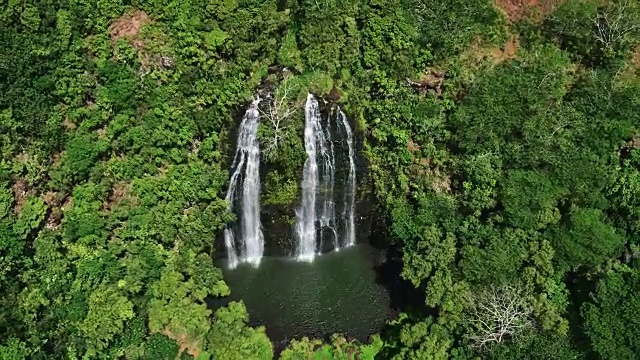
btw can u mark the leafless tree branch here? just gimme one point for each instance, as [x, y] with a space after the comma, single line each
[616, 22]
[499, 314]
[278, 109]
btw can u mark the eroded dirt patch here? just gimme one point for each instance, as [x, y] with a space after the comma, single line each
[430, 81]
[634, 143]
[192, 347]
[478, 53]
[21, 192]
[56, 159]
[23, 158]
[128, 26]
[412, 146]
[120, 193]
[507, 52]
[518, 9]
[102, 132]
[52, 199]
[150, 44]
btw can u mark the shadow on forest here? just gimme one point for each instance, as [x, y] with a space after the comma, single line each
[403, 296]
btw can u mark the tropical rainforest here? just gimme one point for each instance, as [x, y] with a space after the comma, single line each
[501, 142]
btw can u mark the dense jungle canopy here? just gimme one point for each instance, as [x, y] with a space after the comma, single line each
[501, 142]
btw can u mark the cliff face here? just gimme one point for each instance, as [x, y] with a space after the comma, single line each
[279, 220]
[278, 212]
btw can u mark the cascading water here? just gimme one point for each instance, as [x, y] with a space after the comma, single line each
[245, 241]
[349, 199]
[306, 214]
[327, 184]
[316, 215]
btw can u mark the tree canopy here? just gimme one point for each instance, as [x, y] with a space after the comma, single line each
[500, 143]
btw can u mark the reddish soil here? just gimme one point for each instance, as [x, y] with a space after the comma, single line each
[508, 51]
[517, 9]
[128, 26]
[511, 47]
[192, 347]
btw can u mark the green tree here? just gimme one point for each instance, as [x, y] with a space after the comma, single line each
[231, 338]
[611, 320]
[585, 240]
[108, 311]
[533, 345]
[418, 340]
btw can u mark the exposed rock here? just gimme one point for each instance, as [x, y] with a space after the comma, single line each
[273, 69]
[51, 198]
[54, 219]
[430, 81]
[56, 159]
[412, 146]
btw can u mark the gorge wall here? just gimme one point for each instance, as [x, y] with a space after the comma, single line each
[332, 207]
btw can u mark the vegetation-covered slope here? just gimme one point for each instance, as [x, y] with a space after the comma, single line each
[502, 142]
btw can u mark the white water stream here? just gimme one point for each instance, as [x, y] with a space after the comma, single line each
[316, 215]
[245, 241]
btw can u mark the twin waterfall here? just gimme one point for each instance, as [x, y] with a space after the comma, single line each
[330, 155]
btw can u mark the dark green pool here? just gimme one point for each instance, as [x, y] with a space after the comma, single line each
[336, 293]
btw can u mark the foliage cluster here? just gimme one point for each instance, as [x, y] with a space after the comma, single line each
[511, 194]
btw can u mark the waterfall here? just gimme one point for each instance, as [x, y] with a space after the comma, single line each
[249, 245]
[349, 198]
[327, 184]
[316, 216]
[306, 214]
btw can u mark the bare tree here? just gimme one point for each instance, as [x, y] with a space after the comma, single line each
[499, 314]
[279, 108]
[616, 22]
